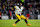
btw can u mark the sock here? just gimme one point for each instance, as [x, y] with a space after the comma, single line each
[26, 21]
[17, 21]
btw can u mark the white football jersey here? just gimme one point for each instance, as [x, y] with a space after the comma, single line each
[18, 10]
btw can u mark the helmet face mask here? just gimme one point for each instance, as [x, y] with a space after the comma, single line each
[19, 4]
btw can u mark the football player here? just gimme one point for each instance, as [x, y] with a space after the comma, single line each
[18, 13]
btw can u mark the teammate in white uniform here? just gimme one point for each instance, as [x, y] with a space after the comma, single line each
[18, 11]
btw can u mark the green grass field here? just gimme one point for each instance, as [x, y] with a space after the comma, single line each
[21, 23]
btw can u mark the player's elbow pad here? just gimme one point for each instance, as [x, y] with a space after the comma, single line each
[28, 15]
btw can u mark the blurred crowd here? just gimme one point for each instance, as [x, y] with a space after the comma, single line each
[7, 7]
